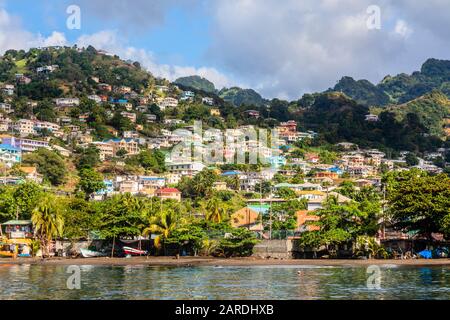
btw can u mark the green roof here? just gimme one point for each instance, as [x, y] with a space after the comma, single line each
[17, 223]
[285, 185]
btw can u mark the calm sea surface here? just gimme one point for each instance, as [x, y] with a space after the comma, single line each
[260, 283]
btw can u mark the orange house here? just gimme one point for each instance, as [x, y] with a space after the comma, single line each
[246, 218]
[327, 174]
[305, 216]
[169, 193]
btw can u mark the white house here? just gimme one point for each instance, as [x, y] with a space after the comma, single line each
[186, 169]
[95, 98]
[67, 102]
[168, 103]
[208, 101]
[6, 107]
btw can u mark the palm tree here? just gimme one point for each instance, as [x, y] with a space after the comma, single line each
[48, 222]
[215, 210]
[163, 224]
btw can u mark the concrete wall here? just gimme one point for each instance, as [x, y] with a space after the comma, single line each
[279, 249]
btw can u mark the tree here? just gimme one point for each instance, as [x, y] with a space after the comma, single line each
[286, 213]
[121, 216]
[26, 197]
[342, 223]
[327, 156]
[121, 123]
[163, 224]
[91, 181]
[48, 222]
[237, 243]
[8, 205]
[88, 158]
[45, 111]
[149, 160]
[286, 193]
[411, 160]
[201, 186]
[421, 203]
[49, 164]
[188, 237]
[264, 187]
[80, 217]
[121, 153]
[215, 210]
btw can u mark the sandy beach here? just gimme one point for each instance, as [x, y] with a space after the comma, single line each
[208, 261]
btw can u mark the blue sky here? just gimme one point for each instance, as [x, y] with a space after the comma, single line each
[181, 39]
[280, 48]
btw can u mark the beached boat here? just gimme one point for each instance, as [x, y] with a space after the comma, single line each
[134, 252]
[5, 251]
[92, 254]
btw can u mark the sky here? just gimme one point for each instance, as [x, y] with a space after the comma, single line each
[282, 49]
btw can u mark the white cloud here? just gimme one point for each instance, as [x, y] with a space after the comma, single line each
[291, 47]
[13, 36]
[55, 39]
[11, 33]
[110, 41]
[106, 40]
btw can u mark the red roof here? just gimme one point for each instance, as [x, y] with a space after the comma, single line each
[168, 190]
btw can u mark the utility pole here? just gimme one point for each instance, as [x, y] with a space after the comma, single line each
[260, 207]
[271, 196]
[383, 211]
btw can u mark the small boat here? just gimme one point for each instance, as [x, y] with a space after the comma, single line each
[5, 251]
[134, 252]
[92, 254]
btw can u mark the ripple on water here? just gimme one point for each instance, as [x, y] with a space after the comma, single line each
[223, 282]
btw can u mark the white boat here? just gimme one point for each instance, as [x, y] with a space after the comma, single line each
[92, 254]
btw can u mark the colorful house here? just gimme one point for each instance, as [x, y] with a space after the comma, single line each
[169, 194]
[304, 217]
[16, 237]
[246, 218]
[10, 155]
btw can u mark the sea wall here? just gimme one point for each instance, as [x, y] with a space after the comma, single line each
[278, 249]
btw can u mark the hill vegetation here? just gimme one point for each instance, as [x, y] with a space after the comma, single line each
[197, 82]
[238, 96]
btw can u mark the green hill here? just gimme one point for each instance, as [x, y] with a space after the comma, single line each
[76, 69]
[196, 82]
[338, 118]
[434, 75]
[431, 109]
[362, 91]
[238, 96]
[399, 89]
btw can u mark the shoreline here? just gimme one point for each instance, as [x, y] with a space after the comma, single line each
[208, 261]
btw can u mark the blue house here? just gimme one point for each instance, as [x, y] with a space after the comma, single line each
[10, 155]
[231, 173]
[109, 188]
[186, 95]
[118, 101]
[336, 170]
